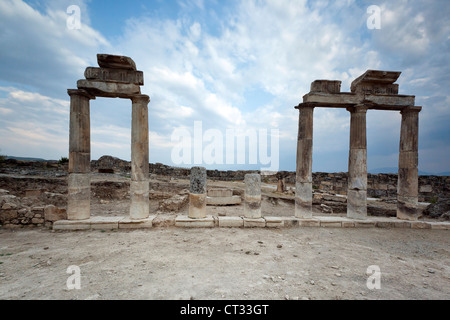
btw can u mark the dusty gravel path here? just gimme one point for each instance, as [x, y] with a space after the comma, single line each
[174, 263]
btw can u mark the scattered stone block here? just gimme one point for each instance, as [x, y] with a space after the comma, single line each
[33, 193]
[53, 213]
[8, 206]
[37, 220]
[174, 203]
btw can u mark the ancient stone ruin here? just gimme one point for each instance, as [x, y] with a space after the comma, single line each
[374, 90]
[116, 77]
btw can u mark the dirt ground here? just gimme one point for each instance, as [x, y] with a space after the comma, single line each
[175, 263]
[172, 263]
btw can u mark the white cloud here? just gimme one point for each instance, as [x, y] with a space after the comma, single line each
[41, 51]
[192, 73]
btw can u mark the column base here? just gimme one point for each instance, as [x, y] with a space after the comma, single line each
[357, 204]
[140, 205]
[79, 196]
[303, 200]
[252, 207]
[197, 206]
[407, 208]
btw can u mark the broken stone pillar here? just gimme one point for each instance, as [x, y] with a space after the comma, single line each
[252, 196]
[357, 164]
[407, 186]
[197, 193]
[139, 187]
[303, 178]
[79, 182]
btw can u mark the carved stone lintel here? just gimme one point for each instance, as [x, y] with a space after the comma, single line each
[109, 89]
[115, 75]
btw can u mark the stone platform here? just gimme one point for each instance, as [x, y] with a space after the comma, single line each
[110, 223]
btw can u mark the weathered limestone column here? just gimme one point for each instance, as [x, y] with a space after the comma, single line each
[408, 175]
[252, 196]
[357, 164]
[303, 178]
[139, 187]
[79, 182]
[197, 193]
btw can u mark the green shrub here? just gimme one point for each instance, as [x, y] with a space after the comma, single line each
[63, 160]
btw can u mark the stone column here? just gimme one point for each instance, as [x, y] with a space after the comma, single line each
[357, 164]
[303, 178]
[252, 196]
[79, 182]
[408, 174]
[139, 187]
[197, 193]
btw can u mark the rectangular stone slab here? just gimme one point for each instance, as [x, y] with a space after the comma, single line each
[186, 222]
[127, 223]
[115, 75]
[254, 223]
[109, 89]
[231, 222]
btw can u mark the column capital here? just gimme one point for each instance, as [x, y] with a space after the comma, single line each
[411, 109]
[140, 97]
[80, 92]
[305, 106]
[359, 108]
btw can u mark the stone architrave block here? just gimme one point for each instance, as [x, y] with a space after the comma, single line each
[109, 89]
[114, 75]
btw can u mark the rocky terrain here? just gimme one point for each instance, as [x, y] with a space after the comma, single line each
[228, 263]
[27, 188]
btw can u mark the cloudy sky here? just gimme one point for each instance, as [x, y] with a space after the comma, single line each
[228, 65]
